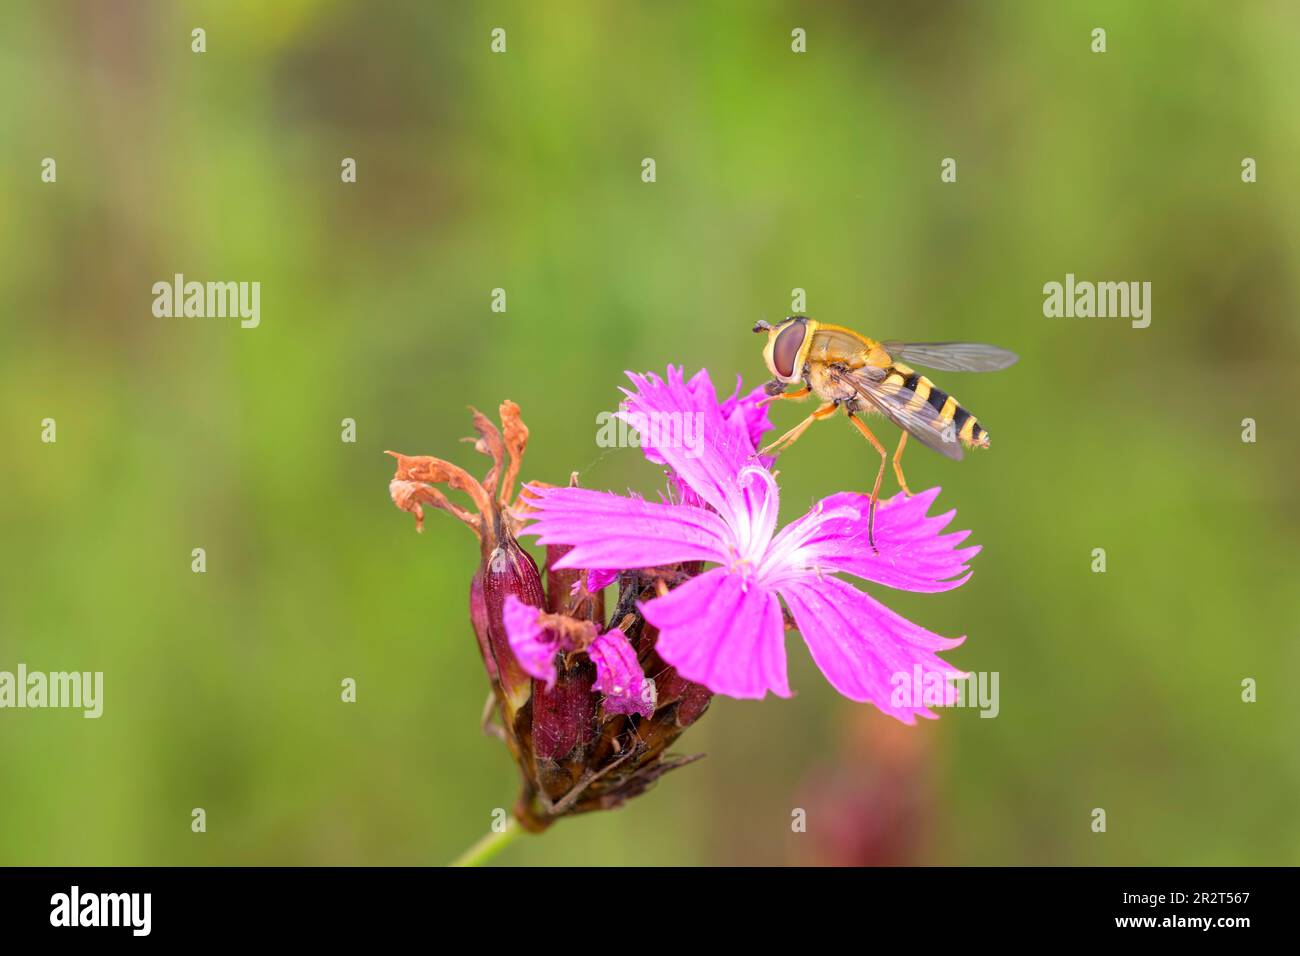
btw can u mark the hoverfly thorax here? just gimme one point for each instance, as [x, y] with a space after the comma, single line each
[787, 347]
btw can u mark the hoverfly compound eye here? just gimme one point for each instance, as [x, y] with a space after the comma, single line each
[786, 349]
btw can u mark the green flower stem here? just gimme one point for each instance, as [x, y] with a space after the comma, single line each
[490, 845]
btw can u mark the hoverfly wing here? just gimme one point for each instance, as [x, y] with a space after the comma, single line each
[952, 356]
[922, 422]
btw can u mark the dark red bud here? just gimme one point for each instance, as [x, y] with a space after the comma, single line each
[692, 699]
[507, 569]
[478, 616]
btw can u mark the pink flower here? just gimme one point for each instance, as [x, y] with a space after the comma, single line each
[725, 628]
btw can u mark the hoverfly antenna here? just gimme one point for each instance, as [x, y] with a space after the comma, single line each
[762, 326]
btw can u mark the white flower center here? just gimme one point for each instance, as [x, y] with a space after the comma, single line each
[755, 520]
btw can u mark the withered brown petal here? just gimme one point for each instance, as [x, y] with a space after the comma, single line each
[516, 439]
[409, 495]
[436, 471]
[489, 443]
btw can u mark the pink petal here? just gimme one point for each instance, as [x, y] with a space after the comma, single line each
[533, 647]
[612, 531]
[748, 412]
[745, 416]
[862, 646]
[913, 555]
[619, 676]
[694, 396]
[600, 578]
[724, 632]
[710, 463]
[597, 580]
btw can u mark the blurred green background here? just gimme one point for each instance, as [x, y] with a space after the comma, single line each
[522, 171]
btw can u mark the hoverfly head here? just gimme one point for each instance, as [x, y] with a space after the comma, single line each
[785, 348]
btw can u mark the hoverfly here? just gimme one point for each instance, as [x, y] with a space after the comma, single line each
[850, 371]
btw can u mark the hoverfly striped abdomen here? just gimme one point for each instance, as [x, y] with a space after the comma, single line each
[901, 377]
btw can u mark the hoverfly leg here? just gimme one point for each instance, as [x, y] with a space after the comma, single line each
[898, 465]
[790, 437]
[775, 393]
[875, 491]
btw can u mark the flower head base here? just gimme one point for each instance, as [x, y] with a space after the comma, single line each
[588, 729]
